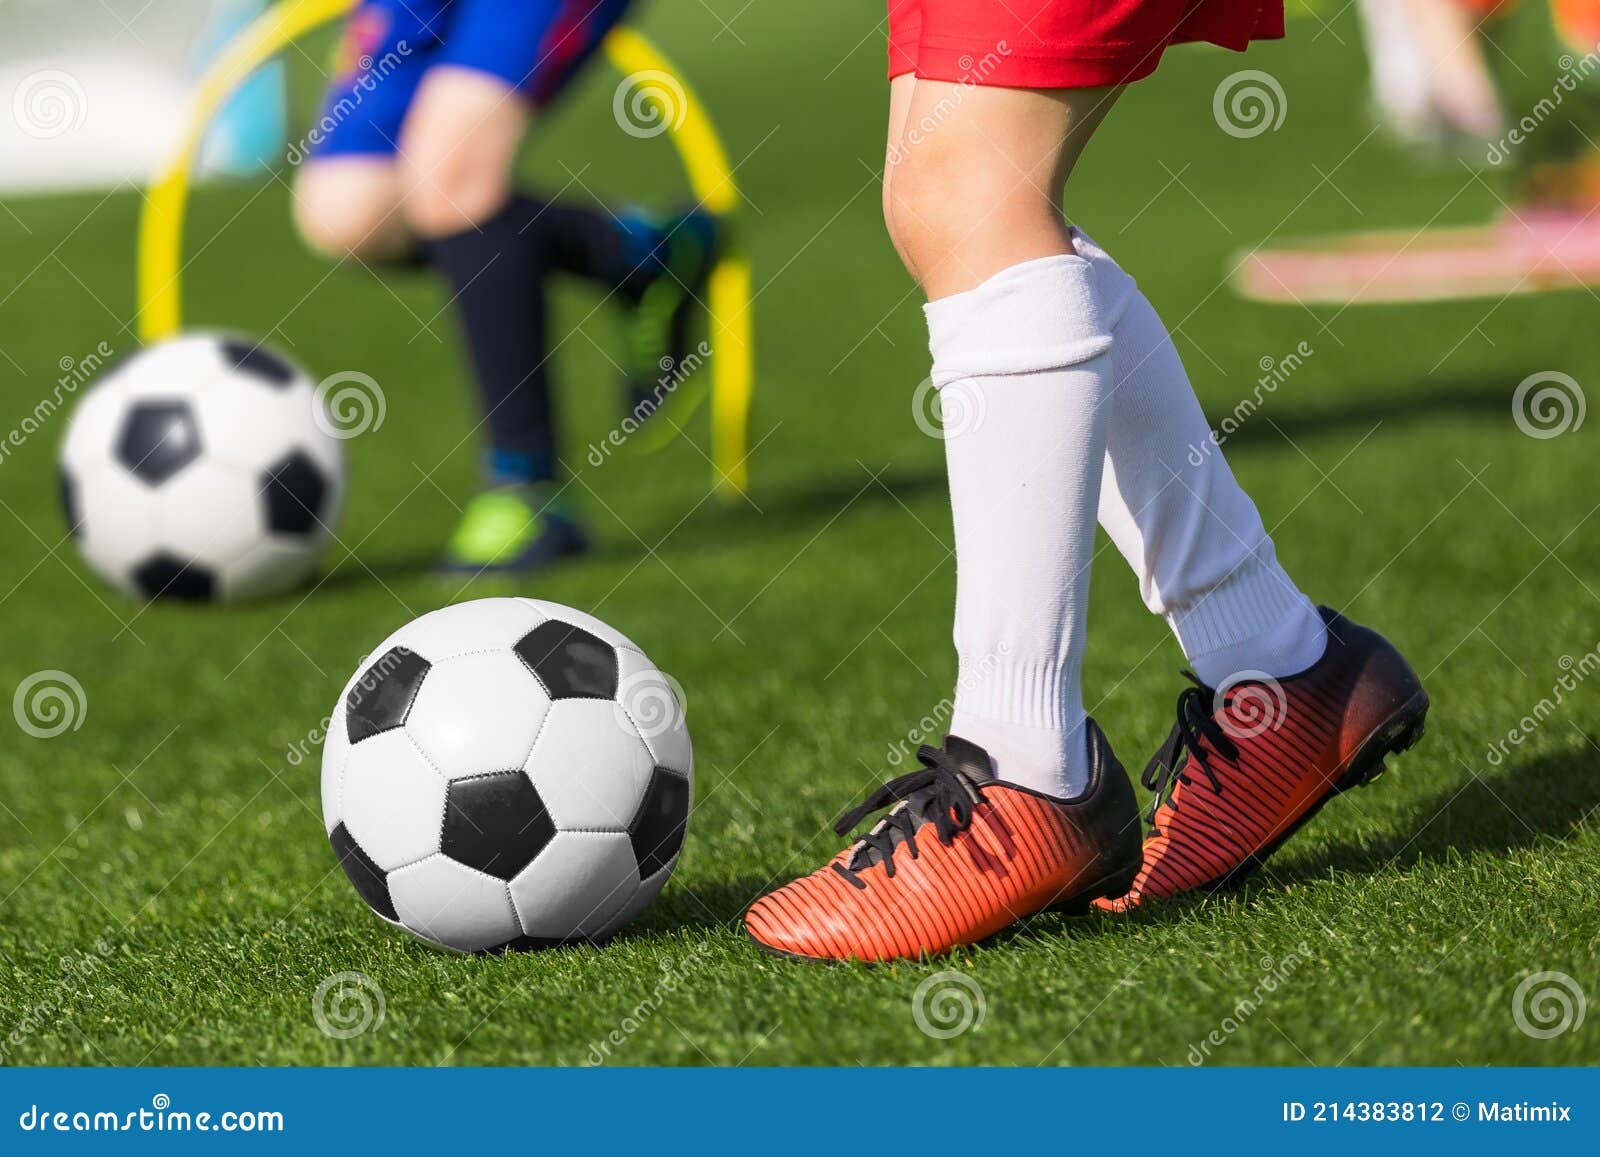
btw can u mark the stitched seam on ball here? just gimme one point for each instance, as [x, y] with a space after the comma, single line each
[423, 755]
[543, 723]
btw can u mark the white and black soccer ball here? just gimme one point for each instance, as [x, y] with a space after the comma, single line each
[198, 469]
[507, 774]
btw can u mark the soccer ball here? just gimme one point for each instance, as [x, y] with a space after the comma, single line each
[507, 774]
[199, 469]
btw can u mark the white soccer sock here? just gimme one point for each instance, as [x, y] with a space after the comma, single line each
[1022, 366]
[1175, 511]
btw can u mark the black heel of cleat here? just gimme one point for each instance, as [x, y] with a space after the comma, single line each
[1400, 733]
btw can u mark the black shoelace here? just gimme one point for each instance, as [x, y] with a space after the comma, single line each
[1195, 724]
[940, 792]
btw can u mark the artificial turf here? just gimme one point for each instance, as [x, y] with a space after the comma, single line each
[167, 895]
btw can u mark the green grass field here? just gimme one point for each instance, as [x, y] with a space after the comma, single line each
[167, 895]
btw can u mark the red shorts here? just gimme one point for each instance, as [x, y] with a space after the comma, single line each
[1063, 43]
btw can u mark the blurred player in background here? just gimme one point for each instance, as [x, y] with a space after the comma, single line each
[1065, 400]
[1509, 85]
[424, 123]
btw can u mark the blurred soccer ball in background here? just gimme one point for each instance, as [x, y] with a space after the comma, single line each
[507, 774]
[198, 469]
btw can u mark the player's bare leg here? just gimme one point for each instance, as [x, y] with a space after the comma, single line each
[1024, 806]
[350, 207]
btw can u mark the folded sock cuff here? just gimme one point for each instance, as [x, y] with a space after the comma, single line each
[1115, 286]
[994, 328]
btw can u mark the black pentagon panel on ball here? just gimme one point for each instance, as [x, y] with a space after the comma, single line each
[569, 661]
[382, 697]
[495, 823]
[370, 880]
[158, 439]
[658, 828]
[257, 362]
[165, 576]
[293, 491]
[69, 505]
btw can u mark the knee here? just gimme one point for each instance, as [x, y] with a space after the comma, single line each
[930, 209]
[955, 223]
[346, 212]
[451, 189]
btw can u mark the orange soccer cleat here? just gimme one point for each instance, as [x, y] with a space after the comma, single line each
[1247, 765]
[959, 856]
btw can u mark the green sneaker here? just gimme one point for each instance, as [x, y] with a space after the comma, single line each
[513, 529]
[657, 329]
